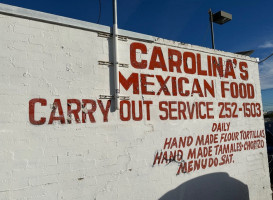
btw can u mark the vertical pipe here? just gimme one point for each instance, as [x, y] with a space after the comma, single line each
[211, 28]
[115, 54]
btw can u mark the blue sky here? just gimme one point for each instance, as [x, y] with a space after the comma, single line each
[184, 21]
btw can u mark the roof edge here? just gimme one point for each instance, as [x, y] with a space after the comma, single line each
[74, 23]
[65, 21]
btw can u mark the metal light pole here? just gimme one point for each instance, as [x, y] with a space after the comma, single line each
[220, 17]
[115, 54]
[211, 28]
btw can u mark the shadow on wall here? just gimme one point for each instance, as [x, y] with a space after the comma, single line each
[215, 186]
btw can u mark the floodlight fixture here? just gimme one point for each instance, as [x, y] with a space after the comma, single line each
[221, 17]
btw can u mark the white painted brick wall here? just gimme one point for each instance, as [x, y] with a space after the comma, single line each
[112, 160]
